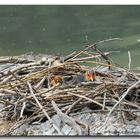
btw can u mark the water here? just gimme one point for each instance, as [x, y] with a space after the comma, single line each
[63, 29]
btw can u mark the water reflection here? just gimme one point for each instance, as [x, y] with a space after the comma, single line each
[63, 29]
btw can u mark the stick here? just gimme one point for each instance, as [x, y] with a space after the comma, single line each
[103, 55]
[86, 99]
[21, 67]
[7, 91]
[129, 64]
[60, 92]
[72, 106]
[15, 76]
[7, 79]
[22, 110]
[104, 101]
[69, 56]
[40, 83]
[48, 78]
[90, 46]
[91, 57]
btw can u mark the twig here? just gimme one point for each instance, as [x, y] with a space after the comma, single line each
[87, 40]
[21, 67]
[90, 46]
[7, 79]
[72, 106]
[60, 92]
[6, 101]
[129, 64]
[48, 78]
[7, 91]
[104, 101]
[91, 57]
[15, 76]
[40, 83]
[93, 62]
[22, 110]
[108, 40]
[75, 103]
[103, 55]
[92, 83]
[69, 56]
[81, 96]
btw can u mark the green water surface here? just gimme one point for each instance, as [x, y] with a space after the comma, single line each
[63, 29]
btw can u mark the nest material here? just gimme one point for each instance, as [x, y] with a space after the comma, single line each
[28, 96]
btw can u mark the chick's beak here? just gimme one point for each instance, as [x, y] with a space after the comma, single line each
[91, 78]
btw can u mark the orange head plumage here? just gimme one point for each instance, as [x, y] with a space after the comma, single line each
[90, 75]
[57, 79]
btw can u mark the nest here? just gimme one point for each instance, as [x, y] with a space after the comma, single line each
[28, 94]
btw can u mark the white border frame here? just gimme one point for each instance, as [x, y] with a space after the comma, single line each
[71, 2]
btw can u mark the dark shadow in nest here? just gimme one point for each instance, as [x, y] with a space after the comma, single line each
[133, 96]
[93, 106]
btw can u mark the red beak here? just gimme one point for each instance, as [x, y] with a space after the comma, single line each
[91, 77]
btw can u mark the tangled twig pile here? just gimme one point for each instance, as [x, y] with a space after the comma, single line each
[30, 91]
